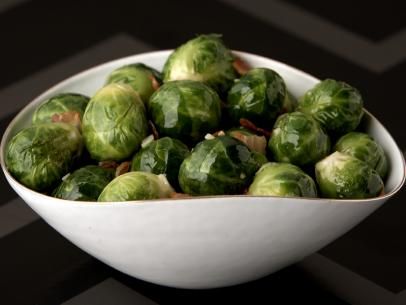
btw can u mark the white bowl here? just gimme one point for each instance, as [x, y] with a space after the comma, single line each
[202, 242]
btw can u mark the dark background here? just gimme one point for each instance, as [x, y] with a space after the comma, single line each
[363, 43]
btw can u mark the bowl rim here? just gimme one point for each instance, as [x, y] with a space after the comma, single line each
[158, 53]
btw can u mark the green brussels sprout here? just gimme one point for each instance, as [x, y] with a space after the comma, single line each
[163, 156]
[59, 104]
[253, 141]
[185, 110]
[259, 96]
[84, 184]
[219, 166]
[40, 155]
[136, 186]
[143, 79]
[282, 179]
[114, 123]
[363, 147]
[297, 138]
[343, 176]
[335, 105]
[205, 59]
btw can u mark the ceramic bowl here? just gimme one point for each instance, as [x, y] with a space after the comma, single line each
[202, 242]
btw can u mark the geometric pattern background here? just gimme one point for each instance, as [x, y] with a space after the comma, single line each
[44, 42]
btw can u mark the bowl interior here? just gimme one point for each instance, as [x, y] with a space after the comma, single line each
[89, 81]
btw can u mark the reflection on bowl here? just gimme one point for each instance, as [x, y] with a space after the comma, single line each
[202, 242]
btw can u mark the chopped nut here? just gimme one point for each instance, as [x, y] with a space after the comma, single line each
[147, 140]
[108, 164]
[209, 136]
[254, 142]
[248, 124]
[240, 66]
[176, 195]
[154, 82]
[153, 130]
[66, 176]
[251, 126]
[219, 133]
[71, 117]
[123, 168]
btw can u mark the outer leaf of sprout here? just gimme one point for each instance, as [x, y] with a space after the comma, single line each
[284, 180]
[40, 155]
[114, 123]
[136, 186]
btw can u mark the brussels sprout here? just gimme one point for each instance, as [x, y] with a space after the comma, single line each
[114, 123]
[343, 176]
[205, 59]
[220, 166]
[84, 184]
[253, 141]
[297, 138]
[336, 105]
[143, 79]
[59, 104]
[185, 110]
[363, 147]
[282, 179]
[40, 155]
[136, 186]
[163, 156]
[258, 96]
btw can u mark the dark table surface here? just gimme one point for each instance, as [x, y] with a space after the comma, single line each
[43, 42]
